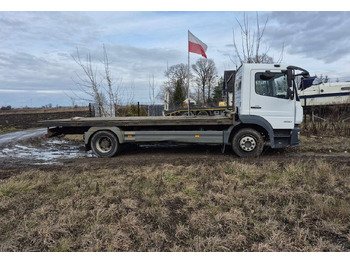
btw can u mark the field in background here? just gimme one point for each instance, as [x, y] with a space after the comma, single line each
[19, 119]
[43, 110]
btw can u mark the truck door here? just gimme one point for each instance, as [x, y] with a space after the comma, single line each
[269, 99]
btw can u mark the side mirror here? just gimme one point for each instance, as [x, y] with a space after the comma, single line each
[289, 77]
[290, 93]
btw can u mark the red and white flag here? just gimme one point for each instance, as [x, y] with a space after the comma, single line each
[196, 46]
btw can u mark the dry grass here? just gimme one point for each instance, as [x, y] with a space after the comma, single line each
[75, 138]
[329, 128]
[8, 130]
[334, 121]
[234, 206]
[323, 144]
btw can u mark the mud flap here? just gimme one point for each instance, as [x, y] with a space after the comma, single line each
[223, 147]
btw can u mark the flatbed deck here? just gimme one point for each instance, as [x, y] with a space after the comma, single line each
[138, 121]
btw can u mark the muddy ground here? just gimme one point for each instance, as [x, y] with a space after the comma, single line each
[31, 149]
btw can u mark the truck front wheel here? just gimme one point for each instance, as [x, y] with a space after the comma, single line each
[247, 142]
[104, 144]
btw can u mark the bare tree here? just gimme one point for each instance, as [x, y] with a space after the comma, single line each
[205, 71]
[101, 88]
[110, 92]
[88, 83]
[250, 43]
[176, 74]
[151, 93]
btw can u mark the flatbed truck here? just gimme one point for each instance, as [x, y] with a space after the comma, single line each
[266, 111]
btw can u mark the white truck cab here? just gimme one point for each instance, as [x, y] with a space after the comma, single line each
[267, 94]
[265, 98]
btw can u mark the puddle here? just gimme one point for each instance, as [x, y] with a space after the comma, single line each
[32, 148]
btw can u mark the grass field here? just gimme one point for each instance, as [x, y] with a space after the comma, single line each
[180, 199]
[269, 205]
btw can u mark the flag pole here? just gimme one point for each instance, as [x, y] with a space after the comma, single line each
[188, 74]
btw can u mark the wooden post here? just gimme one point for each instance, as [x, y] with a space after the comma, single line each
[305, 110]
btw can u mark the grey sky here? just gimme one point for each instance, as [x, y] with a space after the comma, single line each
[36, 48]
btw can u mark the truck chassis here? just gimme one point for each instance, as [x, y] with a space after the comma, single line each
[105, 135]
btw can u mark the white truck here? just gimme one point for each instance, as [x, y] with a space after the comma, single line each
[266, 111]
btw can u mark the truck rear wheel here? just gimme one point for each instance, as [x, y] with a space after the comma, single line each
[247, 142]
[202, 113]
[104, 144]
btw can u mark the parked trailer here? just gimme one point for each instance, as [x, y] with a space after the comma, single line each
[266, 111]
[198, 111]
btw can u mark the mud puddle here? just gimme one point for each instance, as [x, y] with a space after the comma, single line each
[31, 147]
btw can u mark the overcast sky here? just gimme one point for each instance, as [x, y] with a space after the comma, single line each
[36, 48]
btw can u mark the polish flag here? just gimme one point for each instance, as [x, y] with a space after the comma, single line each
[196, 46]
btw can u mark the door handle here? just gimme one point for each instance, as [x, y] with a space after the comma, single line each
[255, 107]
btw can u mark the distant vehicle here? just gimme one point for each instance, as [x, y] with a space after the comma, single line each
[326, 94]
[265, 110]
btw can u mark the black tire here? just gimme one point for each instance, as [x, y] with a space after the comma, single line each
[202, 113]
[247, 142]
[104, 144]
[186, 114]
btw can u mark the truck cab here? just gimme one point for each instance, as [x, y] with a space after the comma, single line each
[265, 95]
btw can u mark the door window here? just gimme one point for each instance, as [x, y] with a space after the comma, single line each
[271, 84]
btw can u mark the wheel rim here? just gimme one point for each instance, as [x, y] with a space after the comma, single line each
[104, 144]
[247, 143]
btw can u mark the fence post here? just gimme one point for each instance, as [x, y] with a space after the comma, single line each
[305, 110]
[138, 108]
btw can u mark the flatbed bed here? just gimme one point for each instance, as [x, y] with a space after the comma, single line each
[139, 121]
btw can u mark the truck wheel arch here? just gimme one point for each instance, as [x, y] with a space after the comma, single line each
[92, 130]
[254, 122]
